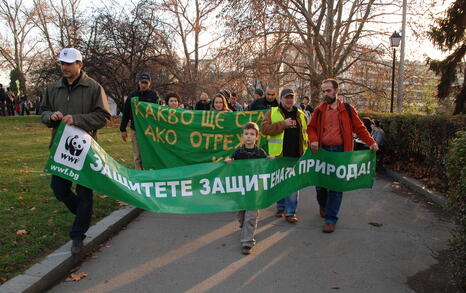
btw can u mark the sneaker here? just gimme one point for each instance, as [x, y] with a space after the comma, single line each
[328, 228]
[322, 213]
[77, 246]
[246, 250]
[291, 219]
[279, 214]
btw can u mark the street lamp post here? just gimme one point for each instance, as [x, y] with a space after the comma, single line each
[395, 39]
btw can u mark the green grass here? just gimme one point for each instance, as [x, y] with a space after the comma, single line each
[26, 200]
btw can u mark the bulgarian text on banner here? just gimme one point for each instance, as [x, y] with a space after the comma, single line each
[207, 187]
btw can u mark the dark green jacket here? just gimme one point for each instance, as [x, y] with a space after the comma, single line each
[85, 101]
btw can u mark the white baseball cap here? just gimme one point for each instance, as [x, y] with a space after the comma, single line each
[70, 55]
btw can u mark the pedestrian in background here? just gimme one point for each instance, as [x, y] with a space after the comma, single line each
[145, 94]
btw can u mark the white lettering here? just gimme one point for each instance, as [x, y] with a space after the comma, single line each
[339, 172]
[147, 186]
[98, 164]
[362, 170]
[320, 166]
[186, 186]
[206, 186]
[352, 171]
[330, 169]
[264, 178]
[173, 185]
[217, 186]
[250, 182]
[160, 189]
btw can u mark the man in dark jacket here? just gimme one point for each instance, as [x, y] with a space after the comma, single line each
[3, 98]
[76, 99]
[145, 94]
[269, 101]
[203, 103]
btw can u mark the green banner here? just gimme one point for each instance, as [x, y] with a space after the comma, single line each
[207, 187]
[170, 137]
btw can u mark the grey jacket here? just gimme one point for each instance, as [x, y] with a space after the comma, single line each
[86, 102]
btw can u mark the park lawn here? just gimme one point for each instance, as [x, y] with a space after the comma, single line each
[33, 222]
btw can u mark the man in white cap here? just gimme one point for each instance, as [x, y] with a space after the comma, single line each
[78, 100]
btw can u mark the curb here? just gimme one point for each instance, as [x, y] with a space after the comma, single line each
[418, 187]
[56, 265]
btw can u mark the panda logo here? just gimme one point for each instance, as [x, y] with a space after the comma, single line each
[75, 145]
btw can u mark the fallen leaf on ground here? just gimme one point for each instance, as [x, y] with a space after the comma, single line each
[76, 277]
[73, 270]
[21, 232]
[122, 204]
[375, 224]
[32, 208]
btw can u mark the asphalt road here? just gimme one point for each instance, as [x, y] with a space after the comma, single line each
[384, 237]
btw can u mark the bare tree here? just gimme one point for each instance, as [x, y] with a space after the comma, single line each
[61, 23]
[186, 20]
[15, 53]
[123, 43]
[323, 37]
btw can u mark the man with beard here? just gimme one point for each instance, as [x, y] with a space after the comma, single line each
[76, 99]
[331, 128]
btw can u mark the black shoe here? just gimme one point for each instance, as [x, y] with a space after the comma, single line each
[77, 246]
[246, 250]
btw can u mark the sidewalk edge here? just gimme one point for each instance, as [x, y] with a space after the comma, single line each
[57, 265]
[418, 187]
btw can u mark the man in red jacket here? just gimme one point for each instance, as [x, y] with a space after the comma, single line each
[331, 128]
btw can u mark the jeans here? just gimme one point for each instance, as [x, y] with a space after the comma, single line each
[289, 204]
[79, 204]
[330, 200]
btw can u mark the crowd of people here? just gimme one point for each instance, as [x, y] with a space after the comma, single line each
[11, 104]
[291, 129]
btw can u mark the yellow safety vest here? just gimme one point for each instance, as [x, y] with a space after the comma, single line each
[275, 143]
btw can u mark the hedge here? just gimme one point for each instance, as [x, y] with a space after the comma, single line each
[456, 171]
[419, 143]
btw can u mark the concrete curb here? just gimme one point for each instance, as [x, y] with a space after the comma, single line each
[418, 187]
[56, 265]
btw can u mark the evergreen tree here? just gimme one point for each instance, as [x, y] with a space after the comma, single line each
[449, 34]
[16, 78]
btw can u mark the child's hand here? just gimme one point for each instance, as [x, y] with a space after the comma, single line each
[228, 160]
[271, 157]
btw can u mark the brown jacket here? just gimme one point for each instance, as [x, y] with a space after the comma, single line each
[87, 103]
[269, 128]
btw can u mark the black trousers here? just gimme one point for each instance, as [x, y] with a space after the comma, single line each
[80, 204]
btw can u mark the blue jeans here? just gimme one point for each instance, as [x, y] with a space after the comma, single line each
[330, 200]
[79, 204]
[289, 204]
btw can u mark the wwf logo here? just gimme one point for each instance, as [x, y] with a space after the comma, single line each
[74, 145]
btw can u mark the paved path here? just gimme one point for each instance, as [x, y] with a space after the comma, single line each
[201, 253]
